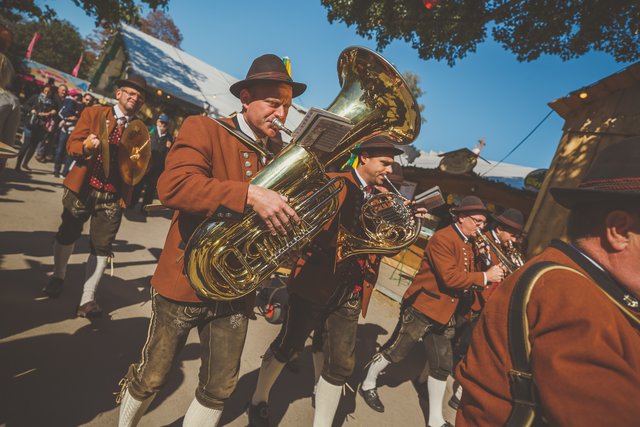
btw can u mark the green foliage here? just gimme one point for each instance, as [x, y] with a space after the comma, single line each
[529, 28]
[59, 46]
[107, 13]
[160, 25]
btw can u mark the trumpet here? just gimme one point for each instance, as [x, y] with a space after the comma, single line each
[481, 240]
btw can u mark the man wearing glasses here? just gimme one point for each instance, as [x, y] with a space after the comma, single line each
[428, 306]
[89, 194]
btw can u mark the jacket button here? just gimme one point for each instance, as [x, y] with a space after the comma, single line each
[249, 173]
[228, 214]
[247, 164]
[245, 155]
[452, 300]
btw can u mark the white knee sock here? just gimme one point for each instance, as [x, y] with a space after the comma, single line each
[61, 254]
[200, 416]
[318, 364]
[327, 400]
[131, 409]
[436, 396]
[269, 372]
[378, 363]
[93, 274]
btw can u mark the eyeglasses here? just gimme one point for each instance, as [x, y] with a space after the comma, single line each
[131, 94]
[478, 221]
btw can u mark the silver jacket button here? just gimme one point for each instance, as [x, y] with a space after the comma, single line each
[247, 164]
[249, 173]
[245, 155]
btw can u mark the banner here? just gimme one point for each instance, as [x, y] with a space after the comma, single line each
[35, 38]
[76, 69]
[43, 74]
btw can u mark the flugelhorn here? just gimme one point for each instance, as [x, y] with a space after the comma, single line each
[503, 259]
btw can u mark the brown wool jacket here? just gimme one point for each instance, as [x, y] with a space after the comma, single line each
[77, 179]
[585, 355]
[447, 269]
[315, 278]
[207, 173]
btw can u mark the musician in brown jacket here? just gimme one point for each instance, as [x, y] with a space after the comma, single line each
[89, 194]
[207, 173]
[583, 325]
[447, 270]
[322, 293]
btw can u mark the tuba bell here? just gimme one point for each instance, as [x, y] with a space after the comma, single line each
[225, 261]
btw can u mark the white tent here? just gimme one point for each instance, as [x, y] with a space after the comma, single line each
[183, 76]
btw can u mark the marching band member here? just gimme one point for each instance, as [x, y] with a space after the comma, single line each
[579, 362]
[321, 294]
[447, 269]
[89, 194]
[207, 174]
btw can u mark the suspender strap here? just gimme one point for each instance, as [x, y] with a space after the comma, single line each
[246, 140]
[523, 390]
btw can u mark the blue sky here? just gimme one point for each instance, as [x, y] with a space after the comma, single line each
[487, 94]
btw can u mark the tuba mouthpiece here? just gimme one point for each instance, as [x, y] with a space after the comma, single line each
[280, 126]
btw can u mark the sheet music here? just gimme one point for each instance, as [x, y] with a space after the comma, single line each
[321, 130]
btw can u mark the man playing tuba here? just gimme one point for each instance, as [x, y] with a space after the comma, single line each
[207, 174]
[325, 294]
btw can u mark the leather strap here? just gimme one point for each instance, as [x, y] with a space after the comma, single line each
[246, 140]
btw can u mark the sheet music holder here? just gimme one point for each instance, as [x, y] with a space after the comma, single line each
[321, 129]
[430, 199]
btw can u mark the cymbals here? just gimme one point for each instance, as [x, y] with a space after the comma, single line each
[7, 151]
[134, 152]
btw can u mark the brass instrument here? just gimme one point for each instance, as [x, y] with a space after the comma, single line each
[513, 252]
[389, 226]
[509, 265]
[225, 261]
[134, 152]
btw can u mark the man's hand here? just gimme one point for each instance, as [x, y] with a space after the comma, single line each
[272, 208]
[417, 212]
[495, 273]
[91, 144]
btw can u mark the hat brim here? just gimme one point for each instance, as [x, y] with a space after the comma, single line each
[507, 222]
[394, 150]
[472, 208]
[236, 88]
[128, 83]
[570, 197]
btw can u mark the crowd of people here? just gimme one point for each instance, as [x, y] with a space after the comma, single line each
[554, 340]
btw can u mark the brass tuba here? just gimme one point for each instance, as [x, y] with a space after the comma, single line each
[225, 261]
[388, 224]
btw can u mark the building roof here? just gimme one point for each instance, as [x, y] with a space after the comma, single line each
[577, 99]
[431, 160]
[183, 76]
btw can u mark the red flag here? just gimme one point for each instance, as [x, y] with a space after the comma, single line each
[76, 69]
[35, 38]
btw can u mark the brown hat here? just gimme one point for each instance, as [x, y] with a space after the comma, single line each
[470, 204]
[511, 218]
[135, 81]
[377, 143]
[267, 68]
[614, 176]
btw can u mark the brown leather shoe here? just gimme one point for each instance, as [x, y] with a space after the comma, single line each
[89, 310]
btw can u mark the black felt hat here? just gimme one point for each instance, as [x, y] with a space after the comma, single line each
[511, 218]
[135, 81]
[470, 204]
[377, 143]
[267, 68]
[614, 176]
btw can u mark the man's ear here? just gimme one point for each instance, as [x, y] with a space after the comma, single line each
[618, 224]
[364, 158]
[245, 97]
